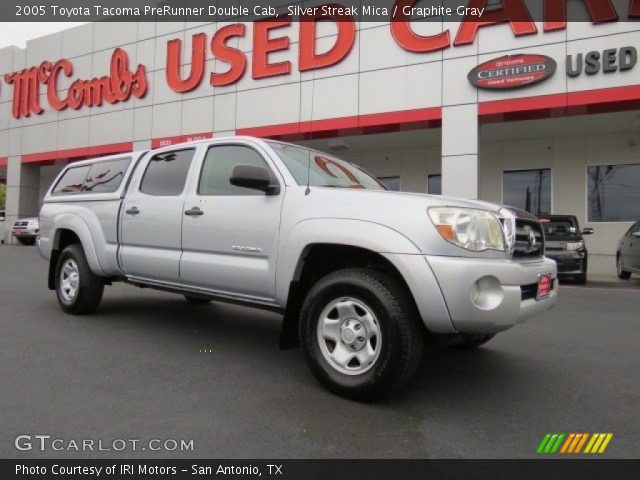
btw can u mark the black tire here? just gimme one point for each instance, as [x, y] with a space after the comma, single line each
[396, 317]
[622, 274]
[197, 300]
[26, 241]
[89, 286]
[581, 279]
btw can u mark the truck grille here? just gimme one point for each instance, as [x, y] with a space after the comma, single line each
[529, 240]
[20, 225]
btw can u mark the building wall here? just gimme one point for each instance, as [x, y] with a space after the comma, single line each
[377, 76]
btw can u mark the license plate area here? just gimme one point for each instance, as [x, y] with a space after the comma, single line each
[544, 286]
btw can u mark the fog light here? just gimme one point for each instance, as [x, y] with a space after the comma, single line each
[487, 293]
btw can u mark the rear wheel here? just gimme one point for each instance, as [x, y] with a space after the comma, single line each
[197, 300]
[622, 274]
[360, 333]
[78, 289]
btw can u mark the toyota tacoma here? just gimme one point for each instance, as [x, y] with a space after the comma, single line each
[365, 278]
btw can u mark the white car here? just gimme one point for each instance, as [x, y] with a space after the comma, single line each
[26, 230]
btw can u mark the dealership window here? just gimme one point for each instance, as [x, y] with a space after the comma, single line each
[613, 193]
[392, 183]
[166, 173]
[528, 190]
[71, 181]
[106, 176]
[218, 165]
[434, 184]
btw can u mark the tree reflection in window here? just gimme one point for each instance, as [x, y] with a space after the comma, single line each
[613, 193]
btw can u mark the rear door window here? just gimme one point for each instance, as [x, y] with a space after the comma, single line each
[71, 181]
[166, 173]
[106, 176]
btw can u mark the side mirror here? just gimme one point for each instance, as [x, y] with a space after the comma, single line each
[254, 177]
[587, 231]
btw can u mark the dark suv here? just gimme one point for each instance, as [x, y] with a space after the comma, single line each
[564, 244]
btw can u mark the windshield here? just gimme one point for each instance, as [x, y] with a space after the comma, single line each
[559, 226]
[322, 170]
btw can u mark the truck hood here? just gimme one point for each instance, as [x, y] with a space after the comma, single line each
[397, 200]
[406, 213]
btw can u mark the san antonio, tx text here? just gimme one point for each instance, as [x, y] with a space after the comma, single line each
[143, 469]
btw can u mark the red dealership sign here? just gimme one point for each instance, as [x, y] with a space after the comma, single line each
[269, 38]
[512, 71]
[117, 87]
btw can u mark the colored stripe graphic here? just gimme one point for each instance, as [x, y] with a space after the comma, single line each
[550, 443]
[573, 443]
[598, 442]
[581, 443]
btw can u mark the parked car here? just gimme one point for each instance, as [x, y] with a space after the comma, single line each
[26, 230]
[628, 254]
[564, 243]
[361, 274]
[2, 217]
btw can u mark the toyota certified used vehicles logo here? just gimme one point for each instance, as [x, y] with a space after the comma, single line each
[512, 71]
[533, 241]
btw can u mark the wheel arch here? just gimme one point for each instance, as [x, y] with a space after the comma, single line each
[69, 230]
[317, 260]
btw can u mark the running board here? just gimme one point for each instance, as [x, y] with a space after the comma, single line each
[260, 303]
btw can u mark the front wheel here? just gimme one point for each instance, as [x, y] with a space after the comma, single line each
[622, 274]
[360, 333]
[79, 290]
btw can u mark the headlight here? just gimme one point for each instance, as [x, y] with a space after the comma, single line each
[475, 230]
[574, 246]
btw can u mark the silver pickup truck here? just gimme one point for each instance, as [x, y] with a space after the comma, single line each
[365, 278]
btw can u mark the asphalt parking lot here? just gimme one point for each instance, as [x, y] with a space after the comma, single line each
[138, 369]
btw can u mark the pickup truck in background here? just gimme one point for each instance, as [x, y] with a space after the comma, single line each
[361, 275]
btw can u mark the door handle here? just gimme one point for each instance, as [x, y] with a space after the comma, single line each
[132, 211]
[194, 212]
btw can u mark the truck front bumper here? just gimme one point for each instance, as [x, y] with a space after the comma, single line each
[489, 295]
